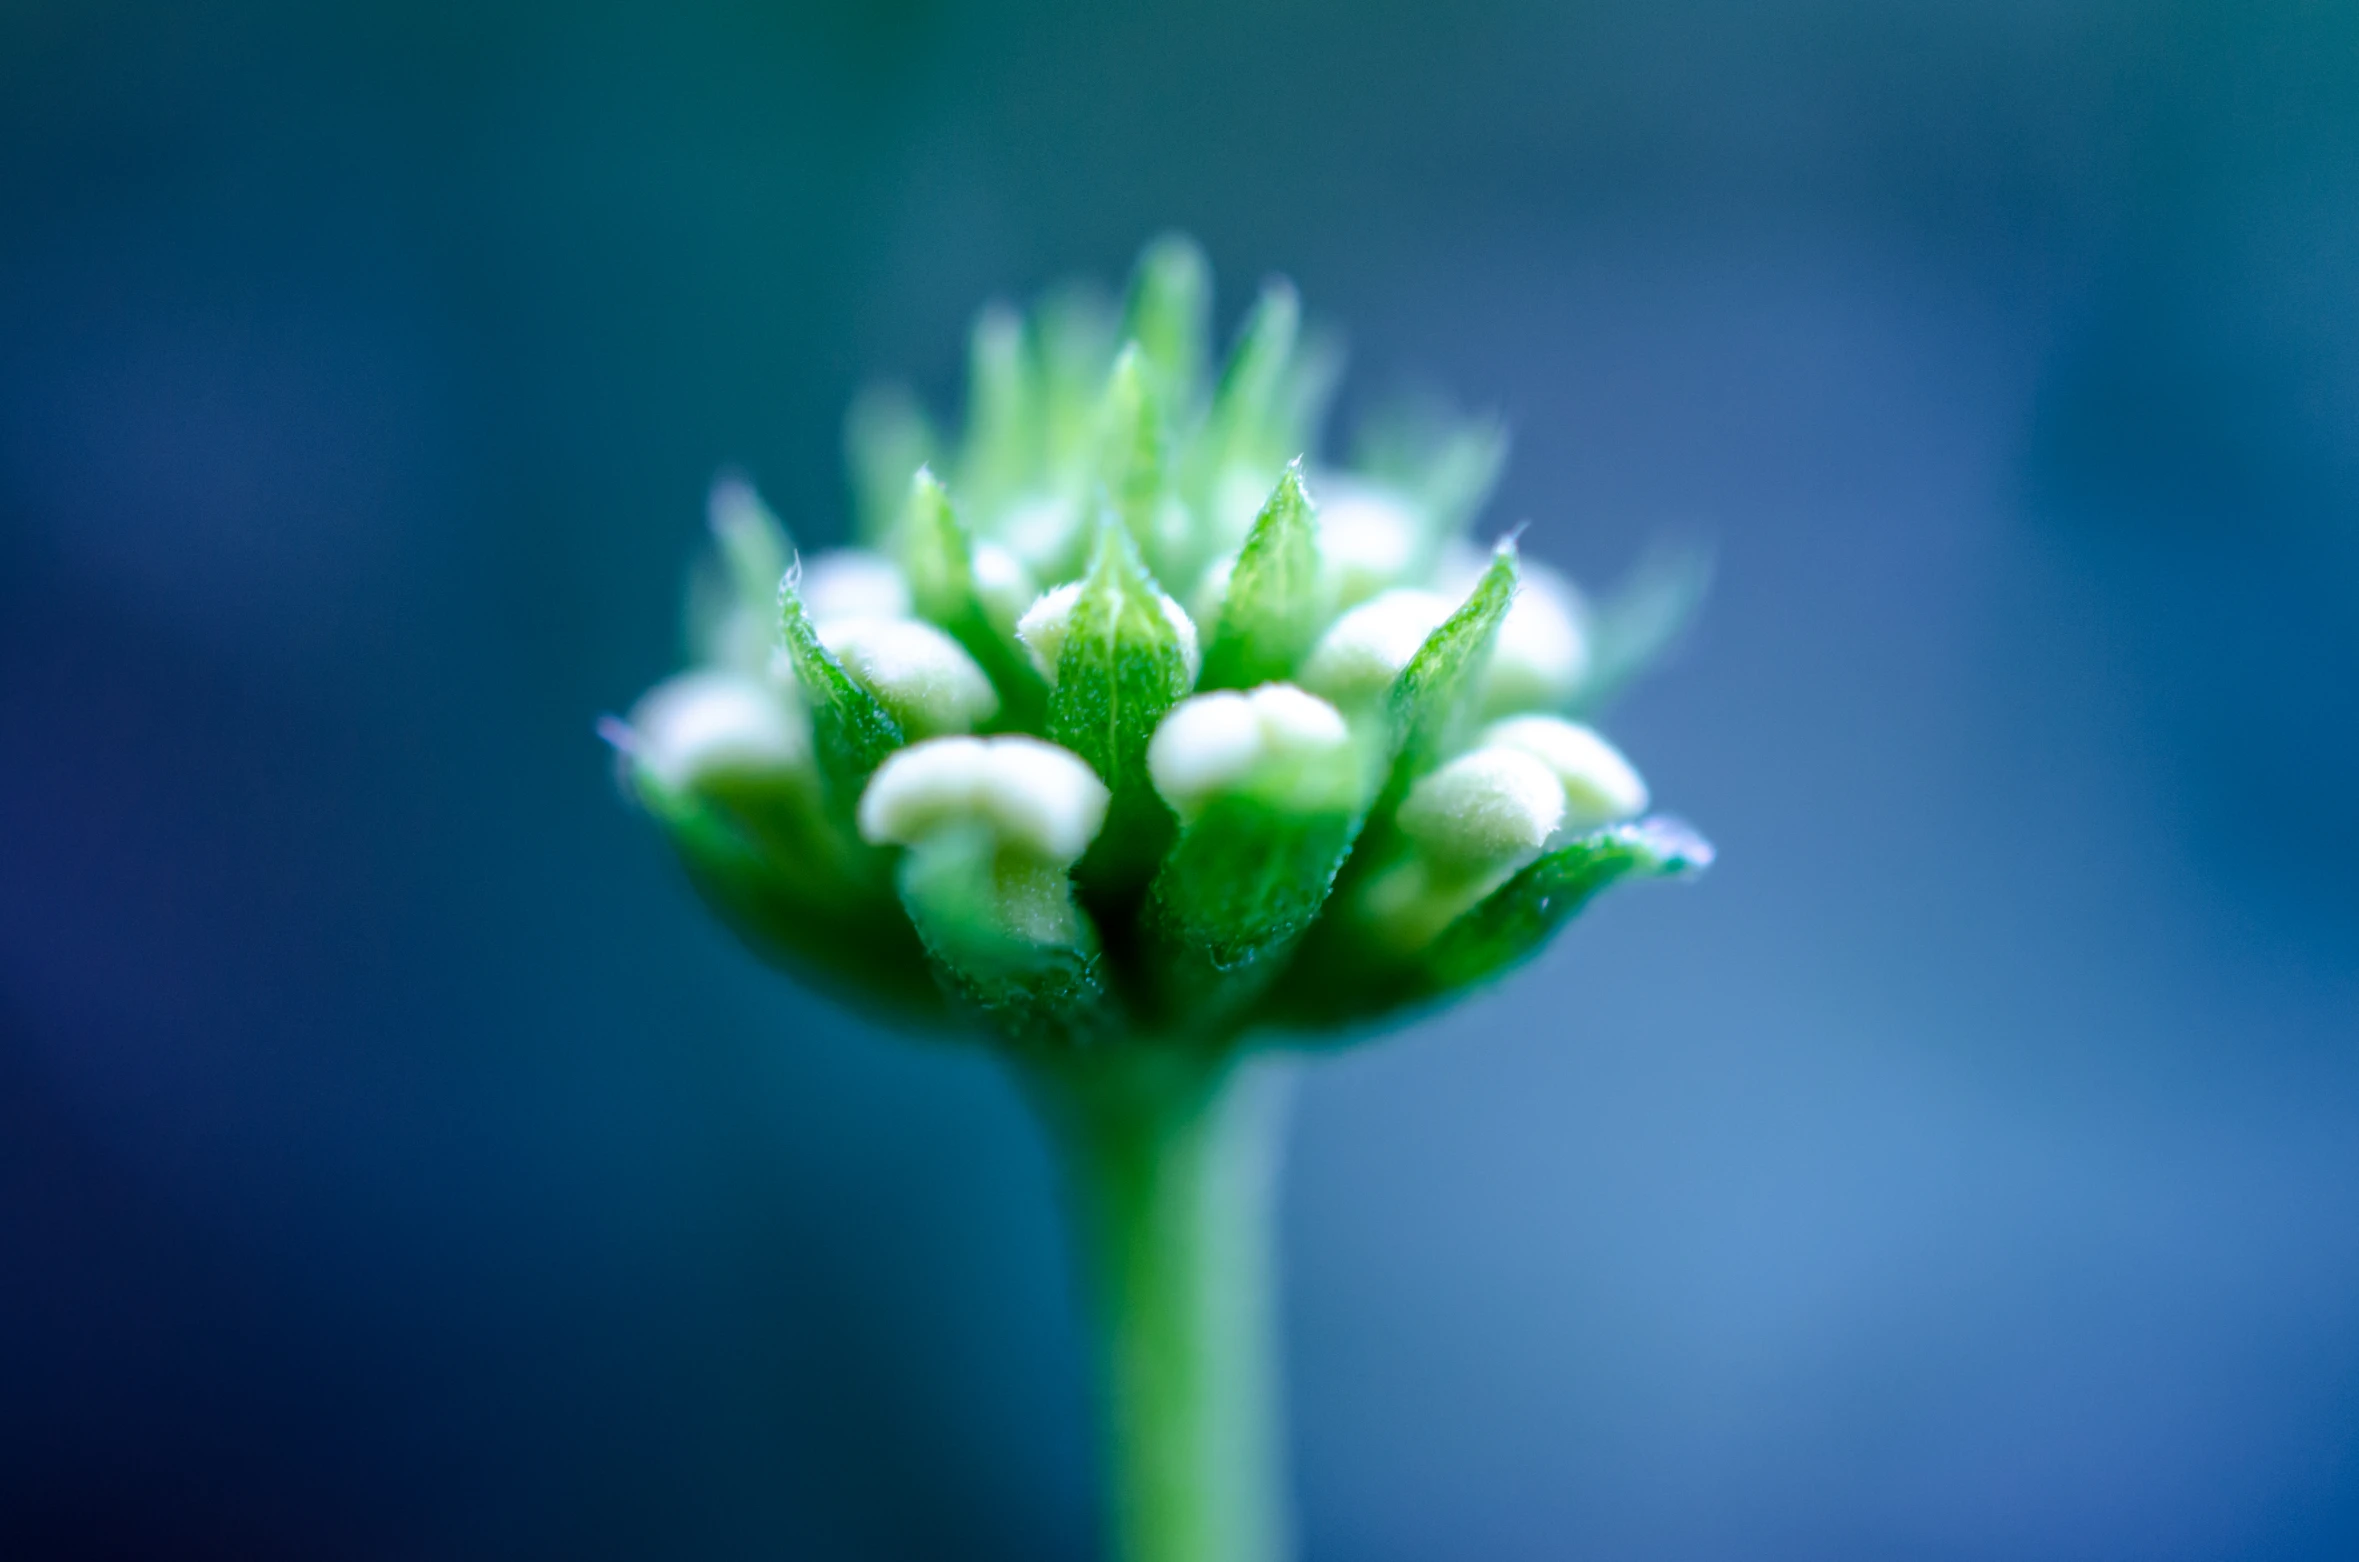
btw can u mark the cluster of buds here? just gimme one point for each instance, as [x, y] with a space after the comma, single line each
[1126, 718]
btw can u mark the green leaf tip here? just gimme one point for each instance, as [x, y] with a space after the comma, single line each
[852, 732]
[1515, 921]
[1431, 701]
[1169, 312]
[1277, 600]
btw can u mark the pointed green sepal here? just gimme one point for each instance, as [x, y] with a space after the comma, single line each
[752, 542]
[1132, 461]
[1002, 444]
[1245, 424]
[851, 732]
[1516, 920]
[1008, 944]
[886, 437]
[937, 553]
[1168, 313]
[1643, 618]
[1123, 664]
[1277, 601]
[1432, 700]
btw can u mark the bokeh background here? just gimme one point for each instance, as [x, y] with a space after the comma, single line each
[396, 1164]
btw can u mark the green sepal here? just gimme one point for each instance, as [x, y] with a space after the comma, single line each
[1168, 313]
[1007, 943]
[1278, 601]
[1121, 670]
[788, 895]
[752, 542]
[1247, 422]
[1513, 922]
[1001, 450]
[887, 436]
[1133, 458]
[937, 553]
[851, 732]
[1431, 701]
[1240, 888]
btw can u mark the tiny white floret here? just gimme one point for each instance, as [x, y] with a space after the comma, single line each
[1369, 536]
[918, 673]
[1600, 785]
[1365, 650]
[1484, 810]
[1214, 744]
[1004, 585]
[710, 723]
[853, 583]
[1032, 796]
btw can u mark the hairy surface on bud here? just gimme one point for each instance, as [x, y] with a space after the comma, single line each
[853, 583]
[915, 671]
[1032, 796]
[1600, 786]
[1482, 810]
[1216, 744]
[1049, 621]
[708, 724]
[1357, 660]
[1368, 535]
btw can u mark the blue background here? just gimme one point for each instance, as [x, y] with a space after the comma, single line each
[395, 1163]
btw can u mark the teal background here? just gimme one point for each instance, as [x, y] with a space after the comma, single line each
[395, 1163]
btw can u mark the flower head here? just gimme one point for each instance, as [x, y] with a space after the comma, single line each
[985, 768]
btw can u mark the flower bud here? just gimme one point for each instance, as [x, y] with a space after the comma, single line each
[1541, 656]
[1369, 537]
[1047, 622]
[715, 726]
[1358, 658]
[1033, 797]
[1600, 786]
[1471, 824]
[1003, 585]
[853, 583]
[1484, 810]
[1217, 744]
[916, 672]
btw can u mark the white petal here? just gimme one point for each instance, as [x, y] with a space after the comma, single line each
[1003, 583]
[1600, 786]
[1044, 626]
[1484, 809]
[1369, 536]
[709, 723]
[1205, 746]
[1032, 796]
[853, 583]
[921, 675]
[1366, 649]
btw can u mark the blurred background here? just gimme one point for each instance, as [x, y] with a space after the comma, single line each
[396, 1163]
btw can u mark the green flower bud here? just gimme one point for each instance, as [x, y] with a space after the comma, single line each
[1358, 659]
[1274, 741]
[711, 726]
[1600, 786]
[1030, 797]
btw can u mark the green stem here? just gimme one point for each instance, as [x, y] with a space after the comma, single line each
[1171, 1155]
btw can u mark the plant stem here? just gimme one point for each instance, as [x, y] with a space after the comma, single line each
[1171, 1155]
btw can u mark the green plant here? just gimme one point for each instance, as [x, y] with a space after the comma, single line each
[985, 774]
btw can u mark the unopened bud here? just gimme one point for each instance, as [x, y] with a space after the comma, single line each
[1046, 624]
[1600, 786]
[920, 675]
[1033, 797]
[1217, 744]
[712, 725]
[1003, 585]
[853, 583]
[1368, 536]
[1363, 653]
[1483, 810]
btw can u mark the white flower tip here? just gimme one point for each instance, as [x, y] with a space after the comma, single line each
[1600, 786]
[1214, 744]
[918, 673]
[1368, 536]
[1045, 624]
[1212, 590]
[1031, 795]
[1541, 656]
[1484, 809]
[1365, 650]
[710, 723]
[1003, 583]
[853, 583]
